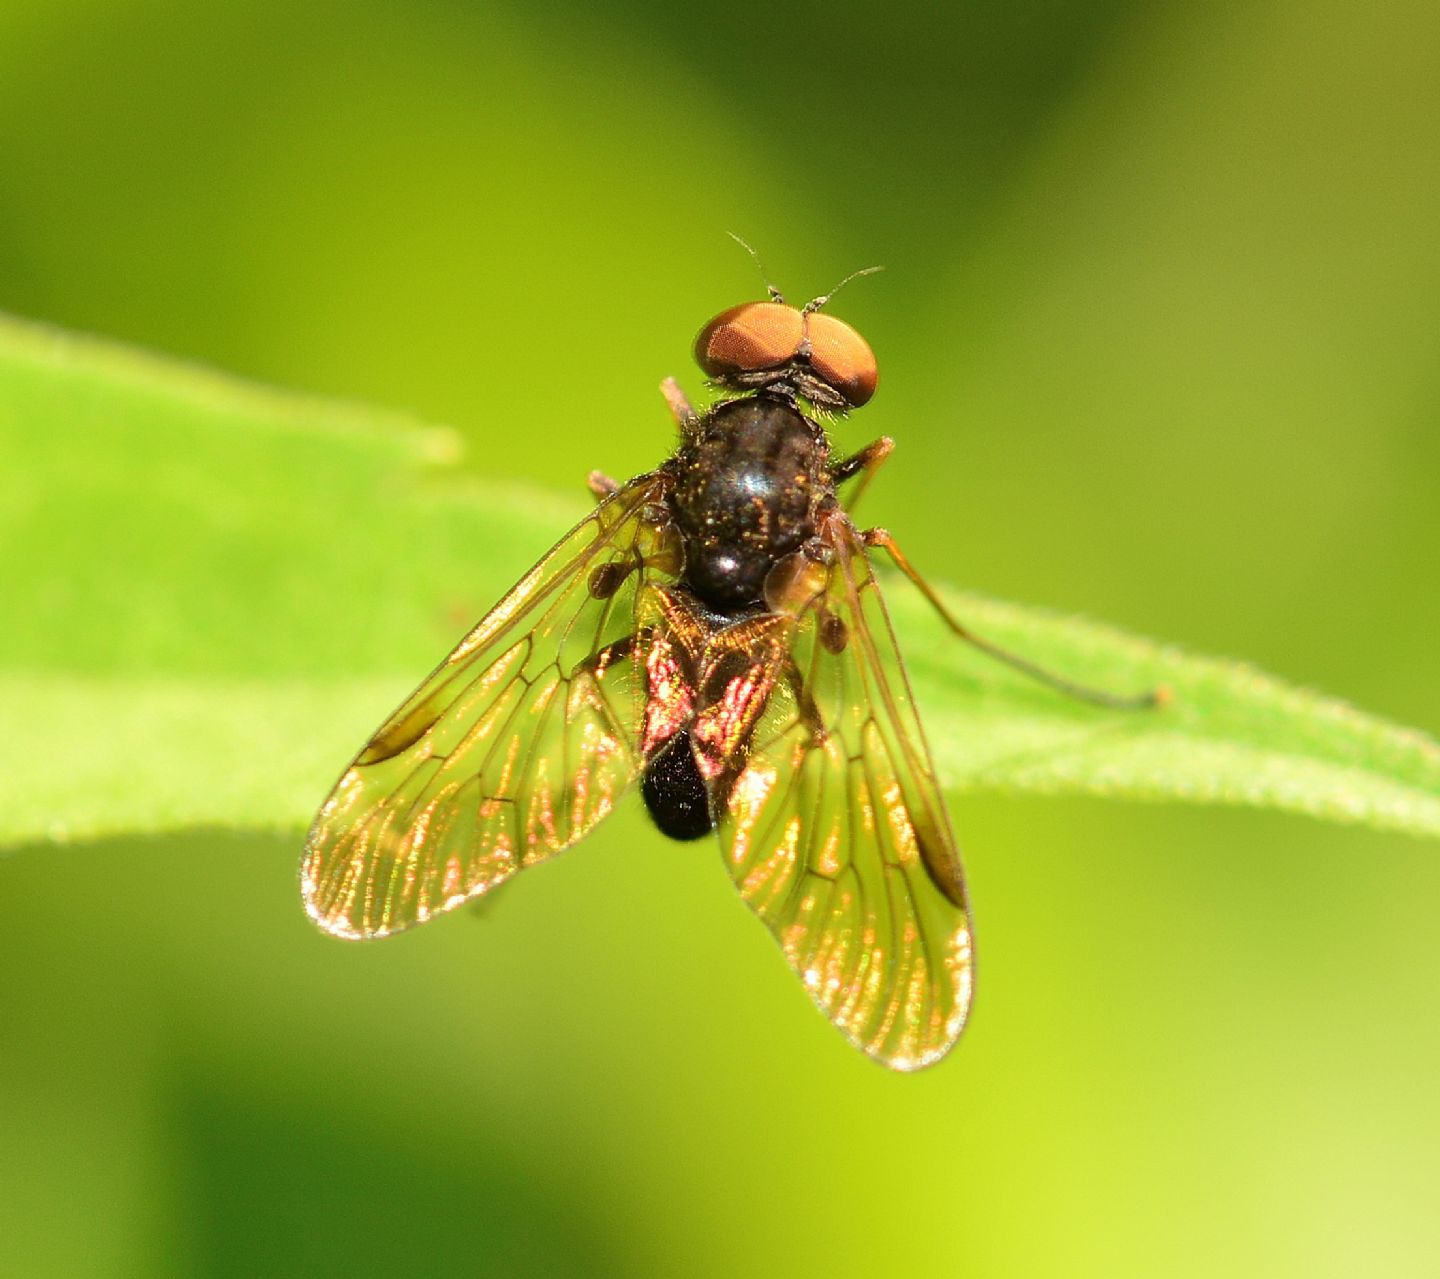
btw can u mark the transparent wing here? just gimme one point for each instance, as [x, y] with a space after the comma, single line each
[517, 745]
[836, 832]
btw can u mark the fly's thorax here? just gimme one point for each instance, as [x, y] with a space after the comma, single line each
[745, 489]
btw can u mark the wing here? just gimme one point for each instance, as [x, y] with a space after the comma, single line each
[517, 745]
[836, 833]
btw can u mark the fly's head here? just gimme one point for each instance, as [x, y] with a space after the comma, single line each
[791, 351]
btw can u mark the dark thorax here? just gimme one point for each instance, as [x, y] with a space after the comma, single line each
[747, 485]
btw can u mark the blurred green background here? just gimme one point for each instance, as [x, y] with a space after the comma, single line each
[1158, 337]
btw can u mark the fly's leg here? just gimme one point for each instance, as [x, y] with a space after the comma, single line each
[867, 459]
[603, 658]
[809, 712]
[657, 546]
[1158, 696]
[864, 464]
[601, 485]
[685, 417]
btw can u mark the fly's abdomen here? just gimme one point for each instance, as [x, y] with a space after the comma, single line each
[675, 793]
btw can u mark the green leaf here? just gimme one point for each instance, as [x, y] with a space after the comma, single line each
[216, 591]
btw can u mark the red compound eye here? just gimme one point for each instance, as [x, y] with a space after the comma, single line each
[750, 337]
[841, 358]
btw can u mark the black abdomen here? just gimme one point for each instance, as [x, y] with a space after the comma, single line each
[743, 497]
[675, 792]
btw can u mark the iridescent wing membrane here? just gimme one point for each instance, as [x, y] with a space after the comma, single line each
[517, 745]
[837, 836]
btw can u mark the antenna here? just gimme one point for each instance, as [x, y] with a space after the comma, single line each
[775, 294]
[824, 299]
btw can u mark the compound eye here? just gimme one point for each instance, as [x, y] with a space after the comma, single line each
[748, 338]
[841, 358]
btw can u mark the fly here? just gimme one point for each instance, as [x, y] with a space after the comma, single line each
[713, 628]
